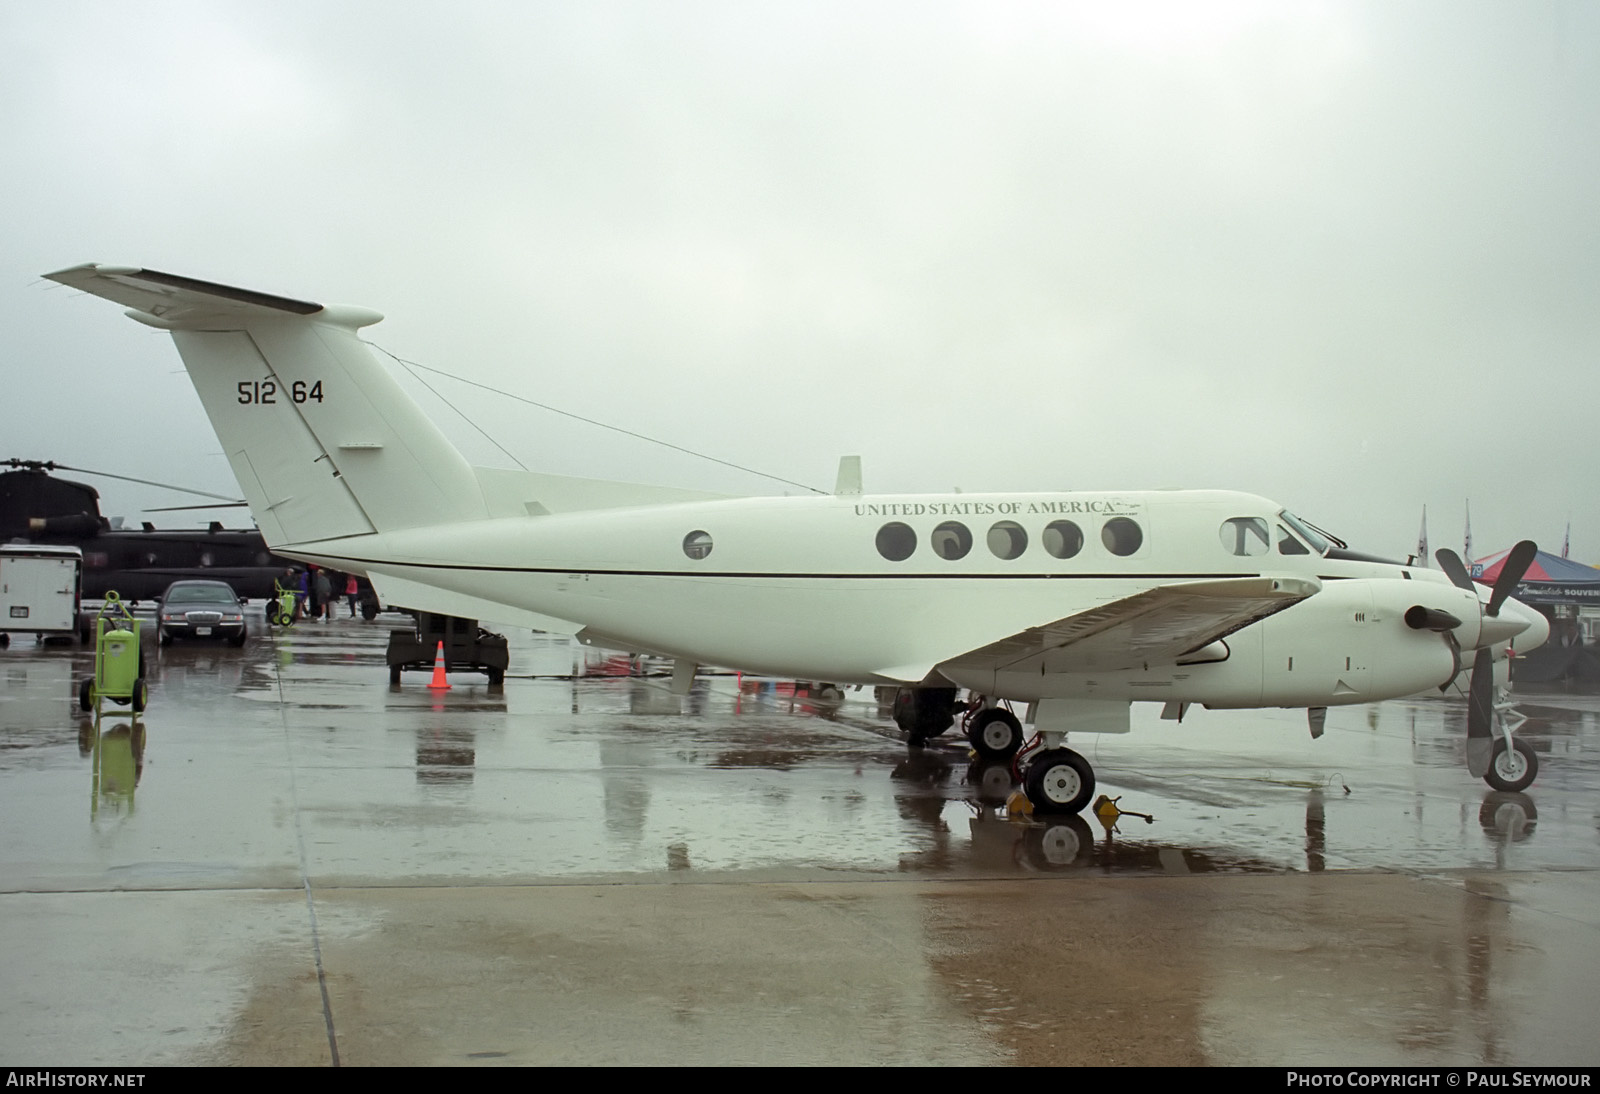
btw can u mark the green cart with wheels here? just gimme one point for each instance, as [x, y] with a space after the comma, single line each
[118, 660]
[280, 609]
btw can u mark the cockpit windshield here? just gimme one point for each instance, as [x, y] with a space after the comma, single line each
[1319, 542]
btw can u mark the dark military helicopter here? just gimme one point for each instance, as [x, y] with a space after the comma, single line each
[36, 507]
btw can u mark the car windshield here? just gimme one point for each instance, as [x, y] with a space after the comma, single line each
[200, 594]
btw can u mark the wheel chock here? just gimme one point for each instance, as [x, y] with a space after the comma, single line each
[1108, 813]
[1018, 805]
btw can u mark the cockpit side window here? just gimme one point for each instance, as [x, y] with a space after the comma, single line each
[1288, 545]
[1245, 536]
[1305, 533]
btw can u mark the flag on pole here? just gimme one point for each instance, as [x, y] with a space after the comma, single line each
[1466, 548]
[1566, 544]
[1422, 539]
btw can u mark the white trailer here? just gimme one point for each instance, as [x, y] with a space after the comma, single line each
[40, 590]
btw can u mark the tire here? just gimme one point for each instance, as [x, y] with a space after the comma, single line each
[394, 674]
[991, 781]
[497, 677]
[924, 713]
[166, 639]
[1061, 843]
[236, 642]
[86, 694]
[1059, 781]
[1512, 769]
[995, 733]
[1508, 817]
[140, 696]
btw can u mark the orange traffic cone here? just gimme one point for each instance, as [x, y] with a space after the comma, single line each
[439, 681]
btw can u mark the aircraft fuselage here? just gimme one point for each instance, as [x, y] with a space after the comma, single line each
[810, 587]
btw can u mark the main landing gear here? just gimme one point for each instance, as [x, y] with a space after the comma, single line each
[1056, 780]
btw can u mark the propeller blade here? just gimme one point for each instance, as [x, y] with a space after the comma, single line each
[1480, 714]
[1450, 563]
[1511, 571]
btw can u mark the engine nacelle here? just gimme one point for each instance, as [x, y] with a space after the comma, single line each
[1362, 640]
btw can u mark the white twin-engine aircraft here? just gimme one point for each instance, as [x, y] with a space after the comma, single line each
[1076, 604]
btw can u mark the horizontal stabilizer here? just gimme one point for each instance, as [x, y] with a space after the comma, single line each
[176, 300]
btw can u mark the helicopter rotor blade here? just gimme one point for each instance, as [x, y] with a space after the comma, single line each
[185, 508]
[51, 465]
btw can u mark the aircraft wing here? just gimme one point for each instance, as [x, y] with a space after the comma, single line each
[1163, 625]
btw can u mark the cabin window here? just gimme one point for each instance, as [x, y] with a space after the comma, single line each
[1121, 536]
[1007, 539]
[697, 544]
[951, 540]
[1245, 536]
[896, 541]
[1062, 538]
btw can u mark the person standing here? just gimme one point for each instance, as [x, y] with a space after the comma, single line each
[322, 606]
[351, 591]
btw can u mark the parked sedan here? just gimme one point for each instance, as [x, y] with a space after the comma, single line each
[201, 609]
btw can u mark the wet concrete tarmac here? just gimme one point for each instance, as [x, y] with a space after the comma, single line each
[287, 860]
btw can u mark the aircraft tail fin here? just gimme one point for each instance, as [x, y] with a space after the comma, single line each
[322, 439]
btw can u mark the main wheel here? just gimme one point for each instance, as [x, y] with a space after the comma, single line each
[924, 713]
[1059, 781]
[995, 733]
[1060, 843]
[1513, 768]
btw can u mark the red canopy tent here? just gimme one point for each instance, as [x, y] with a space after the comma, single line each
[1550, 579]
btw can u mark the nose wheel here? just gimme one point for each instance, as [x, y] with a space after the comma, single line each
[1511, 768]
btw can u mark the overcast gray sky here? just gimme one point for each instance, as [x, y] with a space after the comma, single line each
[1340, 254]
